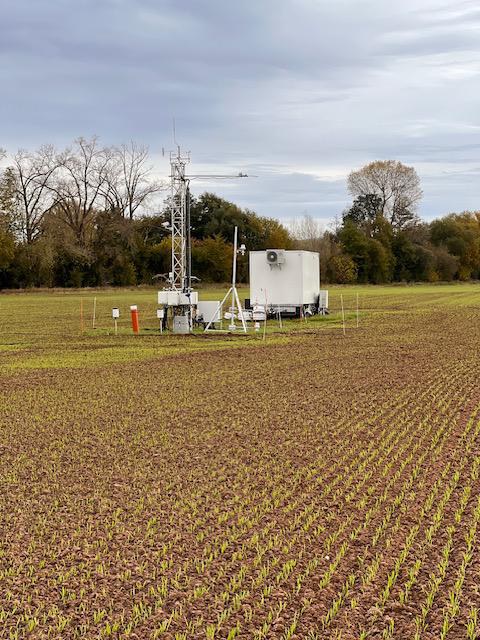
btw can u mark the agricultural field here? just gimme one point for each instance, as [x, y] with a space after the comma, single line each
[314, 484]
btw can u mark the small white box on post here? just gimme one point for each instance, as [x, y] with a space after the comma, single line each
[115, 316]
[160, 316]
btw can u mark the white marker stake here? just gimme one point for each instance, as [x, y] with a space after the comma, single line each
[82, 327]
[357, 310]
[94, 317]
[343, 314]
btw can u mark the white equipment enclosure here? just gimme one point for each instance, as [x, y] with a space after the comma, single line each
[285, 281]
[209, 311]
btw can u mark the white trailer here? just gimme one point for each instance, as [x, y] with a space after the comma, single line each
[285, 281]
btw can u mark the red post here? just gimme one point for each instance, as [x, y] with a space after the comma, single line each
[134, 316]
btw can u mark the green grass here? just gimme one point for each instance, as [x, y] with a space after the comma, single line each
[167, 486]
[43, 329]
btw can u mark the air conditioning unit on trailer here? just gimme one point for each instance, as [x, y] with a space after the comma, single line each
[291, 289]
[275, 257]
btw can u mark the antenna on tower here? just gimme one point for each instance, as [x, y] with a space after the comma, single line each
[175, 135]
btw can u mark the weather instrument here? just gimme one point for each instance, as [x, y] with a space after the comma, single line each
[178, 298]
[235, 305]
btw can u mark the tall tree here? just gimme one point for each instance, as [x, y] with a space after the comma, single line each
[129, 183]
[33, 174]
[364, 212]
[80, 185]
[396, 185]
[7, 242]
[307, 233]
[8, 197]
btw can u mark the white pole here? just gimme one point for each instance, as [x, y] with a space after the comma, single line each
[343, 314]
[94, 312]
[233, 290]
[357, 310]
[265, 322]
[240, 311]
[234, 276]
[116, 326]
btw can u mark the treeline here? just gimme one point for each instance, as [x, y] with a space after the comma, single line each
[381, 239]
[79, 217]
[444, 250]
[93, 216]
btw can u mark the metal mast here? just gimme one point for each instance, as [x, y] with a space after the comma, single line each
[180, 277]
[179, 296]
[180, 224]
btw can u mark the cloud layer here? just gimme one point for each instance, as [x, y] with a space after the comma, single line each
[295, 92]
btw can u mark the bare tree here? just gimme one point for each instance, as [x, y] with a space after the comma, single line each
[307, 233]
[33, 174]
[80, 184]
[9, 200]
[397, 186]
[129, 183]
[7, 195]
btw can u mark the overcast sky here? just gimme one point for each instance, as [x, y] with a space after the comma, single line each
[295, 92]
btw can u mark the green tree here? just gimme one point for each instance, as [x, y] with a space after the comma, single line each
[212, 259]
[365, 212]
[342, 269]
[380, 262]
[113, 248]
[355, 244]
[445, 265]
[211, 216]
[459, 234]
[374, 261]
[7, 243]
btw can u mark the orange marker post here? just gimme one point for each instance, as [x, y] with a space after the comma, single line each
[134, 316]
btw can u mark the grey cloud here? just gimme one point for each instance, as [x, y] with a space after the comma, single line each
[298, 91]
